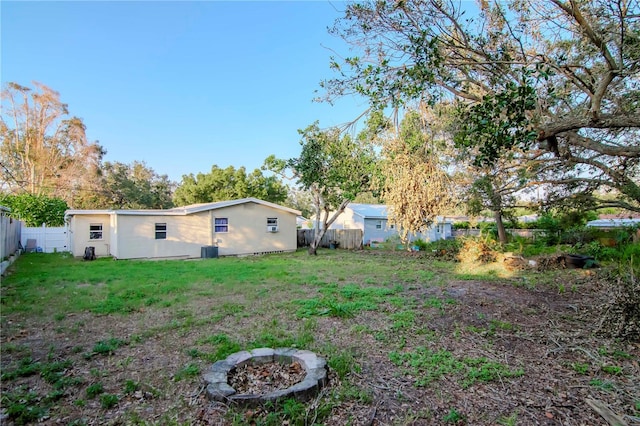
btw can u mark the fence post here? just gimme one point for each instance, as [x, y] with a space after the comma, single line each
[44, 238]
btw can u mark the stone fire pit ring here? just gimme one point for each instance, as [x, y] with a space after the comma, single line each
[315, 367]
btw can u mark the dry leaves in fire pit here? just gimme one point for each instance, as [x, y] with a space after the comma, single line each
[258, 379]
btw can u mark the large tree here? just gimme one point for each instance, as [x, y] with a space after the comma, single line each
[35, 210]
[415, 182]
[43, 150]
[558, 78]
[229, 184]
[133, 186]
[333, 167]
[496, 189]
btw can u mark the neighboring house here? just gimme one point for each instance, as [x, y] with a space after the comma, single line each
[303, 223]
[616, 223]
[607, 227]
[372, 219]
[245, 226]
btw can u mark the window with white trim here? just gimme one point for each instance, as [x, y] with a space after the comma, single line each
[221, 224]
[379, 224]
[161, 231]
[95, 231]
[272, 224]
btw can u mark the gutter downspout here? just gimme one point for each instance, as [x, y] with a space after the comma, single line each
[211, 228]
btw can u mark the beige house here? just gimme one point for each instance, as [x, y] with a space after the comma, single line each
[238, 227]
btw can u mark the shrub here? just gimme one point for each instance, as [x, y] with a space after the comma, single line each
[421, 244]
[108, 400]
[35, 210]
[477, 250]
[447, 249]
[552, 226]
[94, 390]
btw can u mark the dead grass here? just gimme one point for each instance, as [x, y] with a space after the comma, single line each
[483, 323]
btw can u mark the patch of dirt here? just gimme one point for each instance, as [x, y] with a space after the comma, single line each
[546, 325]
[260, 379]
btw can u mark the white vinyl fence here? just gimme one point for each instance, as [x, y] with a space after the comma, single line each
[48, 239]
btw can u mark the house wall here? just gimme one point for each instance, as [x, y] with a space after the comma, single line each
[113, 232]
[372, 233]
[247, 230]
[185, 235]
[133, 236]
[79, 234]
[348, 220]
[435, 232]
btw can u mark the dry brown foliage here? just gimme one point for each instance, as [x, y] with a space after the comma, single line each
[417, 189]
[475, 250]
[620, 316]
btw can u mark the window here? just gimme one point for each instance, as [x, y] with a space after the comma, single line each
[379, 224]
[161, 231]
[95, 231]
[272, 224]
[221, 224]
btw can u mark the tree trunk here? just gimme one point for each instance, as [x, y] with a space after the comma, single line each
[502, 233]
[317, 238]
[326, 224]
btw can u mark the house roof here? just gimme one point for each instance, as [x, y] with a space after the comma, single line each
[623, 215]
[613, 223]
[380, 211]
[369, 211]
[184, 210]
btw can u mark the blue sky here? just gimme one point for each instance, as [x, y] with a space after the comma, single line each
[181, 85]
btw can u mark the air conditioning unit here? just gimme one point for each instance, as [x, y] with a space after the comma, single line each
[272, 229]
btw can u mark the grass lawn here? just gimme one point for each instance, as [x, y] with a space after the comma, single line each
[409, 340]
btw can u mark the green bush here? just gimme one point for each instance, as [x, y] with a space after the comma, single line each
[552, 226]
[576, 236]
[421, 244]
[631, 255]
[35, 210]
[625, 253]
[108, 400]
[452, 246]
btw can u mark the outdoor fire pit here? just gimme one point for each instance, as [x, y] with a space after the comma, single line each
[266, 375]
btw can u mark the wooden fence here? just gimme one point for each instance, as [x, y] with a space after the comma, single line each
[10, 230]
[527, 233]
[350, 239]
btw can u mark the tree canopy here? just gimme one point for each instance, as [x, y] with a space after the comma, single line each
[35, 210]
[334, 168]
[43, 150]
[558, 79]
[415, 182]
[134, 186]
[229, 184]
